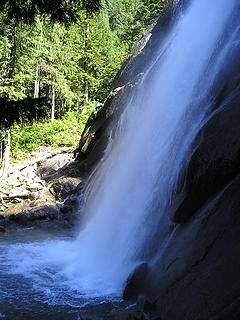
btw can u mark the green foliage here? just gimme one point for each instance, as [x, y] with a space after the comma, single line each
[58, 10]
[61, 52]
[63, 132]
[129, 19]
[70, 59]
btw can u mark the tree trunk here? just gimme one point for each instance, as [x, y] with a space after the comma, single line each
[6, 143]
[36, 84]
[1, 152]
[6, 153]
[85, 68]
[86, 93]
[12, 39]
[53, 104]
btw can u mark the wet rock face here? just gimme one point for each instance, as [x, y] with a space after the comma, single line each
[215, 158]
[136, 282]
[214, 162]
[197, 276]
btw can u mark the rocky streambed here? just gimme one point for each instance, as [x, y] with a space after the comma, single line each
[35, 192]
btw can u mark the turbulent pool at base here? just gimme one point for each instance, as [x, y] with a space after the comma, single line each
[130, 192]
[33, 282]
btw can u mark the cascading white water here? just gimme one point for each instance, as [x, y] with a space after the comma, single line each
[142, 163]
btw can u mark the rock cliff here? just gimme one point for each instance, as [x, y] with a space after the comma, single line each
[196, 276]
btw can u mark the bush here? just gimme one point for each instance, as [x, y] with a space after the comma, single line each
[63, 132]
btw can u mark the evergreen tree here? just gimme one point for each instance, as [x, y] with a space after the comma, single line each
[72, 61]
[17, 11]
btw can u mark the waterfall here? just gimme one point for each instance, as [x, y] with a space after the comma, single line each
[134, 184]
[153, 137]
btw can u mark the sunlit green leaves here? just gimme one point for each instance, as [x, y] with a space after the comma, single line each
[59, 51]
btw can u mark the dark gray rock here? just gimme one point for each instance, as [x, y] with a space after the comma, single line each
[2, 229]
[136, 282]
[36, 214]
[197, 275]
[215, 160]
[64, 187]
[50, 166]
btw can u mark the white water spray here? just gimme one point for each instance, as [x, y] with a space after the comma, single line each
[146, 156]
